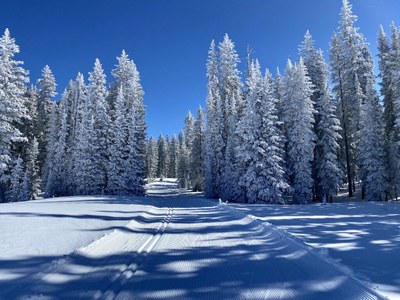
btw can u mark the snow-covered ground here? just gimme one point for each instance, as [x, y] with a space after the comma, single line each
[365, 236]
[172, 244]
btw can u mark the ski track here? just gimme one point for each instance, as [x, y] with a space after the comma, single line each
[185, 247]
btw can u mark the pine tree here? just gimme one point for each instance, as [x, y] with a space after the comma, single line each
[97, 94]
[32, 168]
[213, 136]
[372, 154]
[299, 124]
[329, 173]
[184, 161]
[260, 148]
[351, 65]
[13, 80]
[162, 154]
[118, 148]
[197, 153]
[128, 79]
[46, 93]
[19, 187]
[152, 158]
[174, 158]
[389, 116]
[49, 177]
[231, 105]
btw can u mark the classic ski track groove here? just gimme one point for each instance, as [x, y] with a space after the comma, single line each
[115, 287]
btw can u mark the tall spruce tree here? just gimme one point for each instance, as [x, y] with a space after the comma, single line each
[46, 93]
[298, 116]
[197, 153]
[260, 148]
[351, 65]
[13, 80]
[97, 94]
[372, 154]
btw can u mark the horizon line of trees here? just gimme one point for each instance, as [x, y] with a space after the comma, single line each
[306, 133]
[92, 141]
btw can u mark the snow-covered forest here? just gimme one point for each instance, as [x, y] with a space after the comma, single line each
[300, 135]
[91, 141]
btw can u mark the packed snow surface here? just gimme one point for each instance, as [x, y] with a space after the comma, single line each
[171, 244]
[365, 236]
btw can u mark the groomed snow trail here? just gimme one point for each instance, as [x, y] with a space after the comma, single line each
[186, 247]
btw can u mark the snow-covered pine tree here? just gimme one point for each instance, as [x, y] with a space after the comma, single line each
[152, 158]
[13, 80]
[97, 94]
[49, 175]
[372, 154]
[260, 149]
[317, 71]
[118, 147]
[352, 68]
[46, 93]
[32, 168]
[136, 157]
[197, 153]
[85, 170]
[184, 161]
[167, 155]
[231, 102]
[174, 158]
[298, 115]
[395, 87]
[128, 78]
[19, 183]
[329, 173]
[213, 135]
[162, 153]
[389, 116]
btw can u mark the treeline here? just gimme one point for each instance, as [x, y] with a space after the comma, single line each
[92, 141]
[179, 157]
[307, 132]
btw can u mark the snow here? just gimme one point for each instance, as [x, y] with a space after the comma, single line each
[365, 236]
[170, 244]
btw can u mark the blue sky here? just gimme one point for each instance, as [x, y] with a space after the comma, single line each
[169, 39]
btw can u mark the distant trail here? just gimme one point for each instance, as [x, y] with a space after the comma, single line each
[188, 247]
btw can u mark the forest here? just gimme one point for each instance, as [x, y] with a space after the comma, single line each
[296, 136]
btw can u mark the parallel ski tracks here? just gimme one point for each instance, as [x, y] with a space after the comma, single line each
[115, 287]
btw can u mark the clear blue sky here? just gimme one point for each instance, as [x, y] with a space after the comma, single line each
[169, 39]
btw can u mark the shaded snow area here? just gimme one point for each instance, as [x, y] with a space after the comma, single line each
[365, 236]
[171, 244]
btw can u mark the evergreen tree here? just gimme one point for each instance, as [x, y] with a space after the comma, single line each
[351, 65]
[372, 154]
[184, 161]
[197, 153]
[260, 150]
[128, 79]
[97, 94]
[32, 168]
[162, 157]
[13, 80]
[231, 104]
[389, 115]
[152, 158]
[19, 186]
[329, 173]
[213, 137]
[118, 148]
[174, 158]
[46, 93]
[299, 124]
[51, 143]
